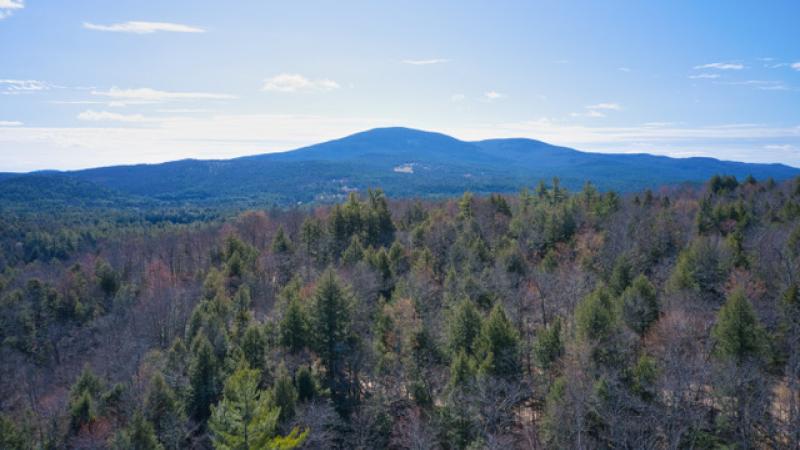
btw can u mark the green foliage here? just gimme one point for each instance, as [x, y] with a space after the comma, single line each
[644, 376]
[549, 346]
[738, 334]
[701, 267]
[462, 371]
[329, 319]
[294, 331]
[498, 346]
[621, 276]
[163, 410]
[245, 418]
[254, 346]
[11, 437]
[284, 394]
[281, 243]
[82, 411]
[595, 318]
[138, 436]
[306, 384]
[203, 378]
[464, 328]
[640, 306]
[722, 184]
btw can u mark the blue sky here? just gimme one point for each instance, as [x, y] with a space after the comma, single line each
[92, 83]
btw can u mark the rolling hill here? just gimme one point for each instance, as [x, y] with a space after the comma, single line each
[402, 161]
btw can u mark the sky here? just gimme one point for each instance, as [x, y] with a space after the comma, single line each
[95, 83]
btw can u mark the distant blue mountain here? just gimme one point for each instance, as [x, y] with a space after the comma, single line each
[402, 161]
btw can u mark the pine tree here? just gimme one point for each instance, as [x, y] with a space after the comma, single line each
[380, 228]
[203, 378]
[738, 335]
[82, 411]
[162, 409]
[12, 438]
[281, 243]
[284, 394]
[306, 385]
[293, 327]
[464, 328]
[549, 346]
[330, 326]
[640, 307]
[254, 347]
[596, 322]
[139, 435]
[246, 418]
[462, 371]
[594, 316]
[621, 276]
[498, 346]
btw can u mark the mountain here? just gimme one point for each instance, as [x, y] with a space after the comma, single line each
[402, 161]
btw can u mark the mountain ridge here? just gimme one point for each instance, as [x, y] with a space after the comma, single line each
[403, 161]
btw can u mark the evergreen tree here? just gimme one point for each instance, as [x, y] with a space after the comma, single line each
[596, 323]
[138, 436]
[163, 411]
[738, 335]
[498, 346]
[621, 276]
[549, 346]
[203, 378]
[284, 394]
[380, 228]
[82, 411]
[330, 327]
[246, 418]
[306, 385]
[293, 327]
[640, 307]
[254, 347]
[281, 243]
[462, 371]
[12, 438]
[464, 328]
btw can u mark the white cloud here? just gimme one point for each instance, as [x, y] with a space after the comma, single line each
[122, 97]
[623, 69]
[700, 76]
[23, 86]
[105, 116]
[491, 96]
[458, 97]
[8, 6]
[589, 113]
[596, 110]
[425, 62]
[10, 123]
[764, 85]
[796, 66]
[721, 66]
[143, 27]
[606, 106]
[292, 82]
[782, 147]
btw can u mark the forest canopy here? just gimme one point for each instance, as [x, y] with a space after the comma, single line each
[547, 319]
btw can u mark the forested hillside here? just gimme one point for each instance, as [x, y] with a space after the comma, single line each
[546, 319]
[404, 162]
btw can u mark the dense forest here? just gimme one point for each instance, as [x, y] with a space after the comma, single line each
[664, 319]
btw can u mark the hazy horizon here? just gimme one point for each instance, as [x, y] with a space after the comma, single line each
[85, 84]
